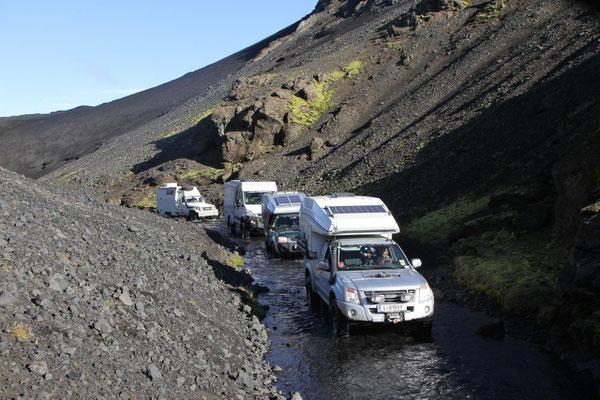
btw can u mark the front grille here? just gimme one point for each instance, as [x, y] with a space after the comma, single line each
[391, 296]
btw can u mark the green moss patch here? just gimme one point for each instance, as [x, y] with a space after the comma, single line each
[435, 227]
[207, 172]
[236, 261]
[306, 113]
[516, 270]
[147, 202]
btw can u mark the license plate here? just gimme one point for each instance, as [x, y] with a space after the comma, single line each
[390, 307]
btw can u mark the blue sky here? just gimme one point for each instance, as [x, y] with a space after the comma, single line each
[61, 54]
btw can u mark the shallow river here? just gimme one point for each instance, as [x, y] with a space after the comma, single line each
[370, 364]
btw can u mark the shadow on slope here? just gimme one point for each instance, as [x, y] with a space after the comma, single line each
[514, 142]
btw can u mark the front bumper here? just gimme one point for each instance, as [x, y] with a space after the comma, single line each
[214, 213]
[288, 248]
[368, 312]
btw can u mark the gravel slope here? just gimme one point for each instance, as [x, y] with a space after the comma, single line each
[100, 301]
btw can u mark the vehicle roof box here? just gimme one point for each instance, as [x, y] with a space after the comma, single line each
[347, 215]
[283, 202]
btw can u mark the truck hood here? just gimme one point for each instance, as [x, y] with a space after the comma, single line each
[383, 279]
[255, 208]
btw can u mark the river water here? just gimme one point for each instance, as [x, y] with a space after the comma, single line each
[386, 364]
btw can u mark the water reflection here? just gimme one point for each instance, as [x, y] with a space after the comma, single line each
[385, 364]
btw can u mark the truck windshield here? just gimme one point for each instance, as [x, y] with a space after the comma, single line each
[253, 197]
[371, 256]
[194, 199]
[286, 223]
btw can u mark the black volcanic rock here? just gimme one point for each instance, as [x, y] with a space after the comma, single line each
[100, 300]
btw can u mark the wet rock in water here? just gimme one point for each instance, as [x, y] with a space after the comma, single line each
[296, 396]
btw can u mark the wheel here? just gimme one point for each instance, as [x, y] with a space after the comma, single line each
[192, 216]
[244, 229]
[168, 214]
[268, 245]
[339, 323]
[233, 228]
[311, 297]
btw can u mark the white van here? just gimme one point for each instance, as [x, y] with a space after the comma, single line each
[173, 200]
[242, 205]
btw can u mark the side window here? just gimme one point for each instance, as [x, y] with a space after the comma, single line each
[325, 258]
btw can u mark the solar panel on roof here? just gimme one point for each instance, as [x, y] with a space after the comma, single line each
[293, 199]
[357, 209]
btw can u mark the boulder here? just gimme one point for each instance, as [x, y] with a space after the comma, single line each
[289, 133]
[308, 92]
[219, 119]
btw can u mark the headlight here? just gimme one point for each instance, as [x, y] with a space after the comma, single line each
[407, 296]
[282, 239]
[351, 295]
[378, 298]
[425, 293]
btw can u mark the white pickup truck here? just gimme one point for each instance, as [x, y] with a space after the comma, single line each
[352, 264]
[173, 200]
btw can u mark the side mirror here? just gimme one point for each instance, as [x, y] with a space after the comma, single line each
[416, 262]
[324, 266]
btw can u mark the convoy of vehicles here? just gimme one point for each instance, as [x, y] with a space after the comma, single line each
[353, 265]
[280, 219]
[242, 205]
[173, 200]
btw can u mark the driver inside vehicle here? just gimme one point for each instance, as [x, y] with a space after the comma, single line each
[384, 256]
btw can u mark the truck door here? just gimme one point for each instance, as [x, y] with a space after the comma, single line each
[322, 272]
[239, 205]
[180, 204]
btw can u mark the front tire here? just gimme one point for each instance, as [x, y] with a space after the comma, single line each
[244, 230]
[340, 326]
[193, 216]
[233, 230]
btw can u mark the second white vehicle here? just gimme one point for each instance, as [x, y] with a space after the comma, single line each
[242, 205]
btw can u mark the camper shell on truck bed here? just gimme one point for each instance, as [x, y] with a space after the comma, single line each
[280, 218]
[353, 265]
[343, 214]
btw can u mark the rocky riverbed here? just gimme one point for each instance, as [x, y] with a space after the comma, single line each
[99, 301]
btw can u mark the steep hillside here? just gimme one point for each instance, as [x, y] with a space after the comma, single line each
[100, 301]
[476, 121]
